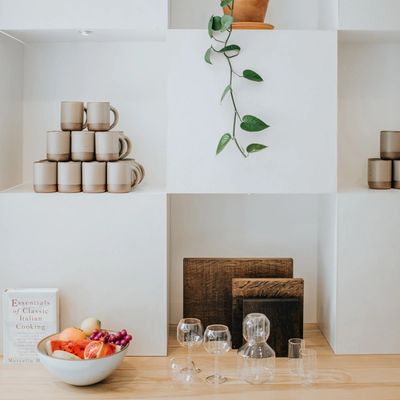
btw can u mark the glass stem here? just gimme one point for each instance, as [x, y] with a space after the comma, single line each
[216, 366]
[189, 356]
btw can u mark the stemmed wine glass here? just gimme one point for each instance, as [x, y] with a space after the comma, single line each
[189, 334]
[217, 341]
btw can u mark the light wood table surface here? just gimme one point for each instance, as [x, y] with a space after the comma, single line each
[339, 378]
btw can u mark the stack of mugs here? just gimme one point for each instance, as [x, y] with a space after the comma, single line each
[92, 160]
[384, 172]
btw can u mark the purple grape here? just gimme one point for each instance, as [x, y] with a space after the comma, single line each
[95, 331]
[123, 342]
[128, 338]
[123, 332]
[111, 338]
[118, 343]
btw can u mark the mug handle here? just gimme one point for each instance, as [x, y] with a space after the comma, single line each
[116, 116]
[84, 126]
[135, 176]
[140, 171]
[126, 146]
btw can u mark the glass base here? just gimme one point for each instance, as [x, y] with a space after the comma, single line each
[216, 379]
[187, 370]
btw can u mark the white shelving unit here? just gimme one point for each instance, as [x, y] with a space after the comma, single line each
[331, 85]
[367, 221]
[107, 254]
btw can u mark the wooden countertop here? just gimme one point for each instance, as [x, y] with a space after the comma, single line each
[339, 378]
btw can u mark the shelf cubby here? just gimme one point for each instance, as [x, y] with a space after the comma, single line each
[330, 85]
[297, 99]
[107, 255]
[283, 14]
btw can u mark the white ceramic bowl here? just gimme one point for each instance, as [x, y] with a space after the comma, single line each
[79, 372]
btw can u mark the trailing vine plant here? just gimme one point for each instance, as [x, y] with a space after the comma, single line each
[249, 123]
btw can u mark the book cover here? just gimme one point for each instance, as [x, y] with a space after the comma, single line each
[28, 316]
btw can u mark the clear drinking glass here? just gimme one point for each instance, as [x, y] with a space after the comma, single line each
[295, 345]
[189, 333]
[309, 365]
[217, 341]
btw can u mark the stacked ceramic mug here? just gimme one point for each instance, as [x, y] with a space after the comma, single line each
[384, 172]
[87, 155]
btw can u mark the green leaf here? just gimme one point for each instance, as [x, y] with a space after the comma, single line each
[252, 76]
[225, 139]
[207, 56]
[232, 48]
[253, 124]
[217, 23]
[224, 3]
[226, 21]
[226, 91]
[255, 147]
[210, 25]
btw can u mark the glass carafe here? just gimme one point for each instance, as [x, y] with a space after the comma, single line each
[256, 362]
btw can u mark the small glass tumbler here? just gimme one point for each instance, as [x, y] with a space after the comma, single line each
[294, 357]
[182, 371]
[309, 365]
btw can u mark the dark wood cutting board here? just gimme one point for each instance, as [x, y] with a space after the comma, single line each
[207, 284]
[281, 300]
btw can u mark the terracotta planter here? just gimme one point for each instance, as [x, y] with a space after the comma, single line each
[249, 10]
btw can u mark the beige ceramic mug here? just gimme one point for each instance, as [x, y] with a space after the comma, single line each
[44, 176]
[390, 145]
[58, 145]
[98, 114]
[396, 174]
[121, 176]
[112, 146]
[379, 173]
[72, 116]
[82, 146]
[69, 177]
[94, 177]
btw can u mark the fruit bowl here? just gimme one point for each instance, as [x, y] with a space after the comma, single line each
[79, 372]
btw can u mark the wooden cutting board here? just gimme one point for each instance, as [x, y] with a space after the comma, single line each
[281, 300]
[207, 284]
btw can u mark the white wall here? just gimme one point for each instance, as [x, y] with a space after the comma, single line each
[140, 15]
[11, 75]
[244, 226]
[368, 297]
[369, 14]
[328, 14]
[105, 262]
[327, 267]
[298, 99]
[129, 75]
[369, 86]
[283, 14]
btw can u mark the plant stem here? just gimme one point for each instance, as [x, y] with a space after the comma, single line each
[236, 112]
